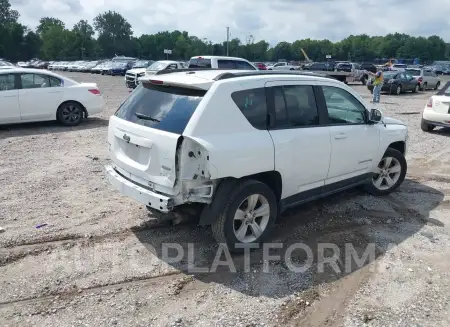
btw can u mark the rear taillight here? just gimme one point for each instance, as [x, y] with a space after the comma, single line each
[420, 79]
[430, 103]
[95, 91]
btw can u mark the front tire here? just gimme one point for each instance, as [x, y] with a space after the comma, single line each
[247, 216]
[424, 126]
[389, 174]
[397, 90]
[437, 85]
[70, 113]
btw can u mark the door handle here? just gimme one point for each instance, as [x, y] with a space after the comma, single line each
[340, 136]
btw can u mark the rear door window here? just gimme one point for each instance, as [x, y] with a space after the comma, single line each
[226, 64]
[199, 63]
[34, 81]
[166, 108]
[295, 106]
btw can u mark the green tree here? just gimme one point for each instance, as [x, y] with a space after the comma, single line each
[7, 15]
[114, 33]
[47, 22]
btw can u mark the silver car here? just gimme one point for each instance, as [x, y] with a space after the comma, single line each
[427, 78]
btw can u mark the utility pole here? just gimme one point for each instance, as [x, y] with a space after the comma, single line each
[228, 38]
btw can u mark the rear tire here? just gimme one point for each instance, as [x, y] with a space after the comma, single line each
[416, 89]
[238, 223]
[424, 87]
[437, 85]
[70, 113]
[391, 172]
[424, 126]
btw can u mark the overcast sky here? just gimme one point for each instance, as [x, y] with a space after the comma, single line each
[271, 20]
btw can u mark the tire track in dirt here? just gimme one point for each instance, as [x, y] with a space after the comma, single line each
[95, 288]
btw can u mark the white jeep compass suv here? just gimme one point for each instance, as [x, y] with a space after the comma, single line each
[249, 145]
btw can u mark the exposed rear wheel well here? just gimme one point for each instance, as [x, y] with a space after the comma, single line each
[84, 109]
[271, 179]
[399, 146]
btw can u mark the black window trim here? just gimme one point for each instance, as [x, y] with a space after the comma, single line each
[323, 104]
[323, 115]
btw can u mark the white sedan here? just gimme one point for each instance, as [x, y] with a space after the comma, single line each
[437, 110]
[28, 95]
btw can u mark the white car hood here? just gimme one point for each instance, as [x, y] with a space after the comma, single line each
[136, 70]
[392, 121]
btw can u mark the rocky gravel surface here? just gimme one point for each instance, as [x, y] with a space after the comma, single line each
[94, 260]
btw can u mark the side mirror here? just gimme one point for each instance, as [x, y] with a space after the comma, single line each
[375, 116]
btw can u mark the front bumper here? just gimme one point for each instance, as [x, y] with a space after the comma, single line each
[130, 84]
[151, 199]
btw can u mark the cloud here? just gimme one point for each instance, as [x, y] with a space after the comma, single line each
[280, 20]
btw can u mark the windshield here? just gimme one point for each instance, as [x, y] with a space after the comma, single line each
[413, 72]
[199, 63]
[140, 64]
[157, 66]
[120, 64]
[165, 108]
[399, 65]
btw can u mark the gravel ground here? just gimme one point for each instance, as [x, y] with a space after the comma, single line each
[97, 262]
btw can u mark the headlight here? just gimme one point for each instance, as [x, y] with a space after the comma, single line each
[141, 74]
[391, 81]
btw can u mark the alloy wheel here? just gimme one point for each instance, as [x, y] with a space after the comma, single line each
[251, 218]
[387, 173]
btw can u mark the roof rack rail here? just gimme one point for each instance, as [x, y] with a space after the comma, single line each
[228, 75]
[169, 71]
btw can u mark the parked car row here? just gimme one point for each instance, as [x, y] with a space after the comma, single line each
[414, 80]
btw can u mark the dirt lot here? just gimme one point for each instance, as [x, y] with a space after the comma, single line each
[97, 263]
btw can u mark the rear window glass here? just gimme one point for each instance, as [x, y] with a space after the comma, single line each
[199, 63]
[413, 72]
[252, 104]
[166, 108]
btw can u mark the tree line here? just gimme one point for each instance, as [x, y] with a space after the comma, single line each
[111, 34]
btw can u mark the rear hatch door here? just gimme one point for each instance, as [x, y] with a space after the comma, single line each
[144, 132]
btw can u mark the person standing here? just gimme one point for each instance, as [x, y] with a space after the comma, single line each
[377, 84]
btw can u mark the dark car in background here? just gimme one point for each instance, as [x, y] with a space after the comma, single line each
[343, 67]
[320, 66]
[369, 67]
[118, 68]
[42, 64]
[397, 82]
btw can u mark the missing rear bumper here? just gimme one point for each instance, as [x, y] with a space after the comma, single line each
[150, 199]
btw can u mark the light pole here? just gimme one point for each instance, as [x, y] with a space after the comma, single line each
[228, 38]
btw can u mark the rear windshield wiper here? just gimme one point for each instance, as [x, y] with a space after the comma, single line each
[142, 116]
